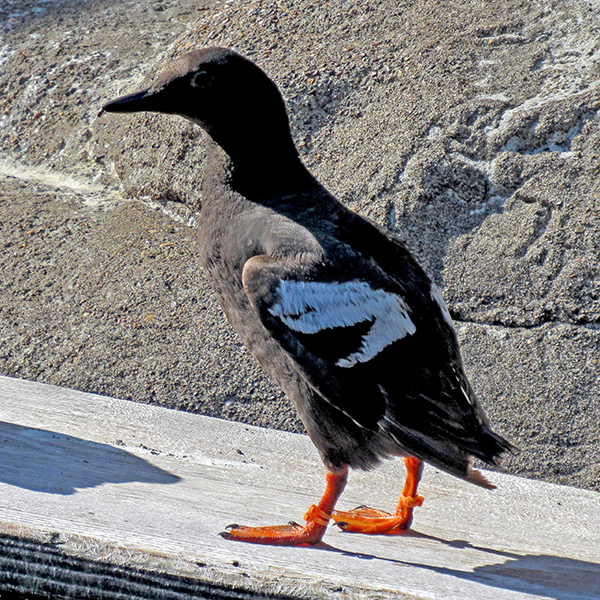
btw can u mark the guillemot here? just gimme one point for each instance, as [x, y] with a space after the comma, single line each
[333, 306]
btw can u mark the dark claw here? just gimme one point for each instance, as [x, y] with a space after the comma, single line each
[232, 526]
[294, 524]
[361, 507]
[341, 524]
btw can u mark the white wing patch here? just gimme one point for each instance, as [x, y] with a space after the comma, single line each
[437, 298]
[310, 307]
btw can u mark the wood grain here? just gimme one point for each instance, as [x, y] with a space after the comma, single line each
[114, 497]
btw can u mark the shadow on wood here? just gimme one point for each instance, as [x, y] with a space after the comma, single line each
[538, 574]
[55, 463]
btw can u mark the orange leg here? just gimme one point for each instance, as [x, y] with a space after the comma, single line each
[370, 520]
[317, 518]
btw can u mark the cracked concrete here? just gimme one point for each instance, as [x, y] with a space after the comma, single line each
[473, 130]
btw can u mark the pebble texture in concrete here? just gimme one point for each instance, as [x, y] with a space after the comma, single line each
[472, 129]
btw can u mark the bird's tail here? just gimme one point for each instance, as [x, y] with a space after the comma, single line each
[455, 456]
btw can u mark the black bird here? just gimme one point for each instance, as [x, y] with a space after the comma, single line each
[333, 306]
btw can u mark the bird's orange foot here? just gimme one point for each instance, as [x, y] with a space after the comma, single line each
[291, 534]
[370, 520]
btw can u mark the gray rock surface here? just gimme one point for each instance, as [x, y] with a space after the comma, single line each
[471, 129]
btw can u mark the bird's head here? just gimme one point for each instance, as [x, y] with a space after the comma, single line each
[231, 98]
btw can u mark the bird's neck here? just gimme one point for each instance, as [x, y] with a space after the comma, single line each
[265, 168]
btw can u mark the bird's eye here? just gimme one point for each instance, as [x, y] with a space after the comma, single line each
[201, 79]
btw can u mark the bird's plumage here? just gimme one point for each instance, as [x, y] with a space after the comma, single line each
[333, 306]
[349, 326]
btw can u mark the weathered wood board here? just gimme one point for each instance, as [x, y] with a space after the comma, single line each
[126, 500]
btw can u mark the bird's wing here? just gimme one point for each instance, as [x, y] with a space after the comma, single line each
[332, 327]
[385, 357]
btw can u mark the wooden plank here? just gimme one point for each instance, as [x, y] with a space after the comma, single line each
[95, 487]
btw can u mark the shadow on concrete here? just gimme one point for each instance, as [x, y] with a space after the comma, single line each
[54, 463]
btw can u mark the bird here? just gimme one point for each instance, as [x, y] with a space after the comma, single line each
[332, 305]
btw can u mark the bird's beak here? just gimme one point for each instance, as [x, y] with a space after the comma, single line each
[145, 101]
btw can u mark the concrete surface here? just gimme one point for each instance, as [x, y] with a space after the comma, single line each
[126, 498]
[470, 128]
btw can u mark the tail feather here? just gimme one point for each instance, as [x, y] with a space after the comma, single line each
[452, 454]
[478, 478]
[490, 446]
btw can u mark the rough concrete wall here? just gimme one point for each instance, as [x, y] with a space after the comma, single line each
[472, 129]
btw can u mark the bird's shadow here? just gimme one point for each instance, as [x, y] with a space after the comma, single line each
[539, 574]
[54, 463]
